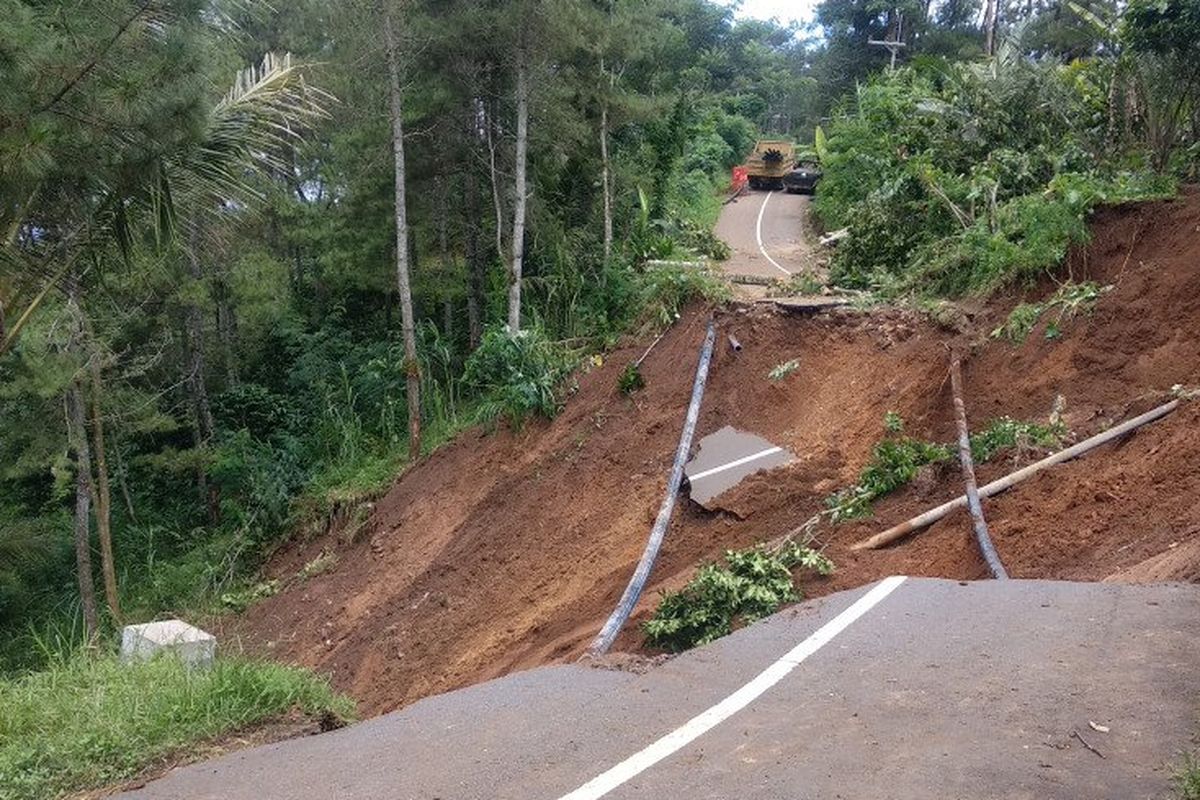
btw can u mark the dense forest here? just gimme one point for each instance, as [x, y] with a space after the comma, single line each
[256, 259]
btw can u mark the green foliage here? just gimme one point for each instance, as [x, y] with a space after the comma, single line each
[1020, 322]
[518, 376]
[781, 371]
[804, 283]
[896, 459]
[1006, 433]
[631, 379]
[90, 721]
[244, 598]
[664, 291]
[894, 462]
[956, 180]
[751, 585]
[1068, 301]
[1186, 780]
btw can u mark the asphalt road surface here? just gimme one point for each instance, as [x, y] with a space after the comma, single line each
[765, 232]
[914, 688]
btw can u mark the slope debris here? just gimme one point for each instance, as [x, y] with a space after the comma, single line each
[504, 551]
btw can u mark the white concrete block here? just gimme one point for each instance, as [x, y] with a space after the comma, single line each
[195, 647]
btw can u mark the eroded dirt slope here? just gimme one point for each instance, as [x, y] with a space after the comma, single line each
[508, 550]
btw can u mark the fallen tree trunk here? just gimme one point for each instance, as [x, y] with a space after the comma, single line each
[997, 486]
[637, 583]
[978, 523]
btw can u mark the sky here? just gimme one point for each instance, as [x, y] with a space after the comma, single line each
[784, 10]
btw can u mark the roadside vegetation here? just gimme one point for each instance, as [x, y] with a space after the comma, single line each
[1187, 779]
[957, 177]
[90, 721]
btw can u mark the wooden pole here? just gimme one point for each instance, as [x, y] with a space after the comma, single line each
[995, 487]
[968, 470]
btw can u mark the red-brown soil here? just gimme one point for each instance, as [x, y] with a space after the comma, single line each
[505, 551]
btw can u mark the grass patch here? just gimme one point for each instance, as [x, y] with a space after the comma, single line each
[1186, 780]
[87, 722]
[750, 585]
[664, 291]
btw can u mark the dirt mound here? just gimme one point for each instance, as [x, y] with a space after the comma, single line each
[505, 551]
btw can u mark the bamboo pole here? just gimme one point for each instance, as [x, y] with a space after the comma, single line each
[978, 523]
[608, 634]
[997, 486]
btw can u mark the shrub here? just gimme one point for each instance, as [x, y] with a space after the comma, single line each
[516, 375]
[893, 464]
[666, 290]
[751, 585]
[896, 460]
[631, 379]
[956, 180]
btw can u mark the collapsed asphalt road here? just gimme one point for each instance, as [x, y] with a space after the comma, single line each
[911, 688]
[765, 231]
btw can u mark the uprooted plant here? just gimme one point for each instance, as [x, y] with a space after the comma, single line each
[898, 458]
[1069, 301]
[751, 584]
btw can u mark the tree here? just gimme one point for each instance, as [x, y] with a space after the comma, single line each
[520, 187]
[412, 368]
[991, 20]
[1164, 36]
[84, 491]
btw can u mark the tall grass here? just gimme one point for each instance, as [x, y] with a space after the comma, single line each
[89, 721]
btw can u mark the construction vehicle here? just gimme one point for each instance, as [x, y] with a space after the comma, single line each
[770, 162]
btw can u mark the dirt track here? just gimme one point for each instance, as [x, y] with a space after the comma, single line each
[507, 551]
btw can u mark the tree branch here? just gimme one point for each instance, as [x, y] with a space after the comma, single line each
[95, 62]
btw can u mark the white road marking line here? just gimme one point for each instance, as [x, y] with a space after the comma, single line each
[739, 462]
[758, 235]
[699, 725]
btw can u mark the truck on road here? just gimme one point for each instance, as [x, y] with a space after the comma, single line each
[770, 162]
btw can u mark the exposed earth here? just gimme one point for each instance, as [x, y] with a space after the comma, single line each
[506, 550]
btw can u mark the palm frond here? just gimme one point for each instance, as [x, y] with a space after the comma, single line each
[251, 131]
[266, 111]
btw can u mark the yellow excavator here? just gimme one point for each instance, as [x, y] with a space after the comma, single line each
[770, 163]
